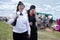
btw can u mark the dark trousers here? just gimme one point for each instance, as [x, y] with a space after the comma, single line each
[20, 36]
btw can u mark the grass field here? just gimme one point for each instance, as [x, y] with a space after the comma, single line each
[6, 33]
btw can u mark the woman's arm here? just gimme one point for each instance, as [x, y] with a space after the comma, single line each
[30, 23]
[11, 20]
[28, 27]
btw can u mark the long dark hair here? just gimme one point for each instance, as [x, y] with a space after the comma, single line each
[31, 7]
[17, 8]
[28, 12]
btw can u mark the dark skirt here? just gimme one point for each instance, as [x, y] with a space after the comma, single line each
[33, 33]
[20, 36]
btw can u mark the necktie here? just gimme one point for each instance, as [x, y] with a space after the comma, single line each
[21, 14]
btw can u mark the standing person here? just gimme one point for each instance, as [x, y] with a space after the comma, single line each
[21, 31]
[32, 22]
[50, 20]
[56, 26]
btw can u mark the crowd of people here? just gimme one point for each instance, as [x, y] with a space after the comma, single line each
[47, 23]
[44, 21]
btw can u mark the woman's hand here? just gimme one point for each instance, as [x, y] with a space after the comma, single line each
[29, 36]
[31, 23]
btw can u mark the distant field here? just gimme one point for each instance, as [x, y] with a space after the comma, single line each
[6, 33]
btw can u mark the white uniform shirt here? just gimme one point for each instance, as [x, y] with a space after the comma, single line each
[22, 24]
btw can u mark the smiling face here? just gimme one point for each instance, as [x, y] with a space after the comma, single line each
[21, 7]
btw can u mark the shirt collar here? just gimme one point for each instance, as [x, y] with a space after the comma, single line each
[24, 12]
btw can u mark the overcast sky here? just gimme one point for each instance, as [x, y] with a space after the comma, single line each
[8, 7]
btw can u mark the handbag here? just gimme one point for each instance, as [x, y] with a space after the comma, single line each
[14, 23]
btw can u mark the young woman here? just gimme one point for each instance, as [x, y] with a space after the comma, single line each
[32, 22]
[21, 31]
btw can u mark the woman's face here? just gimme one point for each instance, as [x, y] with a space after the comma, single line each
[21, 7]
[32, 11]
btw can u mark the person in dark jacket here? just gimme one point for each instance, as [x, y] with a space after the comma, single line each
[32, 21]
